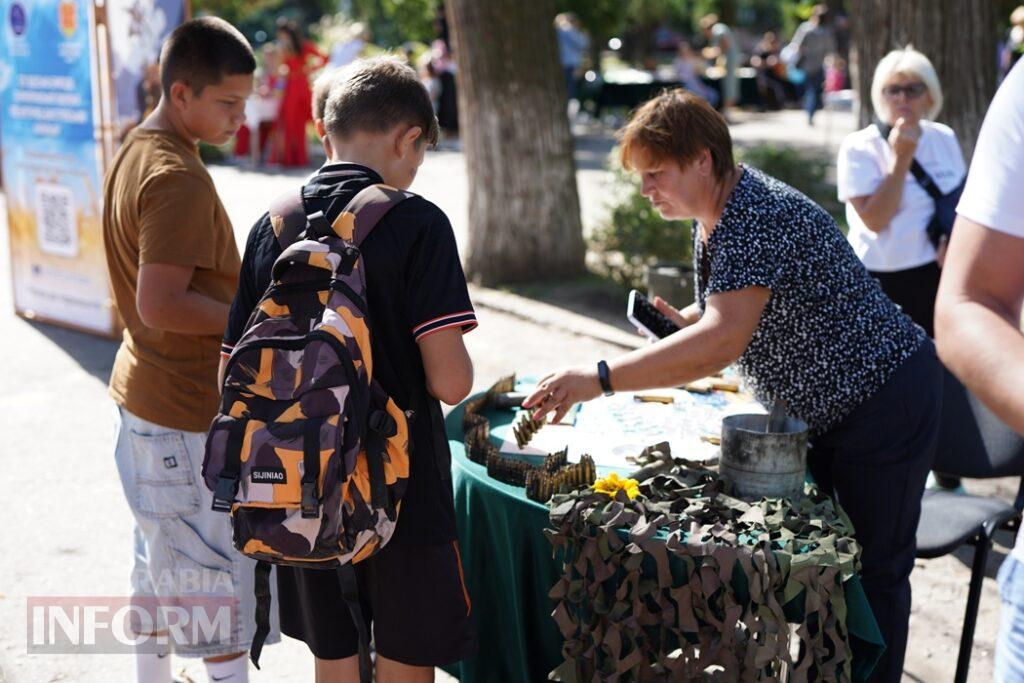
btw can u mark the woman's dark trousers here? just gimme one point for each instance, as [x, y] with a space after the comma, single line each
[876, 462]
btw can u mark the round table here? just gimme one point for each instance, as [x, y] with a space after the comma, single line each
[509, 569]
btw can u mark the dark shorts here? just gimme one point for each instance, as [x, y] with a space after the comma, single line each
[414, 597]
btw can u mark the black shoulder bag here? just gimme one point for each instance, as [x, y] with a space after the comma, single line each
[941, 224]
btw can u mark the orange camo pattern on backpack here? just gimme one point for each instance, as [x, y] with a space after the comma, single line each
[309, 453]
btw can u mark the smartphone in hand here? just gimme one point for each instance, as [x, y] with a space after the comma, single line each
[648, 319]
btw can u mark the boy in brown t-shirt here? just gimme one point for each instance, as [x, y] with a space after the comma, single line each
[174, 268]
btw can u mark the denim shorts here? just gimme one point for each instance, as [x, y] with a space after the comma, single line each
[183, 551]
[1010, 643]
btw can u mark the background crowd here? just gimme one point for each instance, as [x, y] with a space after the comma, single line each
[802, 63]
[897, 183]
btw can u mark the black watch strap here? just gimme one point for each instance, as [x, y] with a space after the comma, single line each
[604, 378]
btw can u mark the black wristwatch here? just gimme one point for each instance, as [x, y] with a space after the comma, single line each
[604, 378]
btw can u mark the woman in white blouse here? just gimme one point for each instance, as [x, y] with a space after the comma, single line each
[887, 209]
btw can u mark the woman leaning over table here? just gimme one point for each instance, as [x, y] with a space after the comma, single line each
[887, 209]
[781, 294]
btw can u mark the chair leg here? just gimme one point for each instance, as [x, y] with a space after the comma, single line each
[981, 547]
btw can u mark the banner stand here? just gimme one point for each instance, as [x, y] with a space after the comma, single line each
[71, 72]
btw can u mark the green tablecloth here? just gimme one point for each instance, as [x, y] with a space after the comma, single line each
[509, 570]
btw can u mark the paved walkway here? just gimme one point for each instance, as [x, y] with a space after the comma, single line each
[67, 529]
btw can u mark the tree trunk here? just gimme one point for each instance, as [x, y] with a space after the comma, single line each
[524, 210]
[958, 36]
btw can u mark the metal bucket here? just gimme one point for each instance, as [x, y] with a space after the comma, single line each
[757, 464]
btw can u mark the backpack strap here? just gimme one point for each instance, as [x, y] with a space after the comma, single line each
[350, 594]
[356, 221]
[288, 217]
[261, 590]
[362, 213]
[288, 212]
[920, 175]
[925, 181]
[381, 427]
[227, 482]
[311, 468]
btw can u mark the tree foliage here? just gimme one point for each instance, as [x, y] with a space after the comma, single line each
[252, 16]
[393, 22]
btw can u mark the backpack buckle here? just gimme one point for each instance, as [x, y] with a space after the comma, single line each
[310, 505]
[348, 260]
[224, 493]
[318, 224]
[382, 423]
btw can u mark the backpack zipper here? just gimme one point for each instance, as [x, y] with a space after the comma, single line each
[336, 285]
[295, 343]
[316, 286]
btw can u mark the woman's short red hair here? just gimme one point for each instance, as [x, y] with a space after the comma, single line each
[677, 125]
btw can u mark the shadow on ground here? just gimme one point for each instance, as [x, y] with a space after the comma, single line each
[94, 354]
[589, 295]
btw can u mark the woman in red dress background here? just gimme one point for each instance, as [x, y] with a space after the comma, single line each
[300, 58]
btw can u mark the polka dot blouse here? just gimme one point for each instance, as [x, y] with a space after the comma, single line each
[829, 338]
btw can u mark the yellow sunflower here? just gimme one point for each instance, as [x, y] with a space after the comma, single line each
[613, 483]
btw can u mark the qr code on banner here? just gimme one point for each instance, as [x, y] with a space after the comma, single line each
[55, 220]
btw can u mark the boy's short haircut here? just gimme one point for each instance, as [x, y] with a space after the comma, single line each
[202, 52]
[322, 90]
[377, 94]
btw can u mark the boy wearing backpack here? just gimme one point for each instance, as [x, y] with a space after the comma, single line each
[379, 121]
[173, 268]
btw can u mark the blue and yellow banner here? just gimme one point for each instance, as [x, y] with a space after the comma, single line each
[52, 162]
[137, 29]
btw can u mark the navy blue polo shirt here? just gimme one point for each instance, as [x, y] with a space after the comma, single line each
[414, 286]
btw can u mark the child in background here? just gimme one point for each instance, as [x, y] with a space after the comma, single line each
[688, 74]
[430, 78]
[261, 110]
[835, 73]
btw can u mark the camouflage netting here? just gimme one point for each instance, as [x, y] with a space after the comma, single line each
[686, 583]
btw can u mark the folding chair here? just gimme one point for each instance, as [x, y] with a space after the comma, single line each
[973, 443]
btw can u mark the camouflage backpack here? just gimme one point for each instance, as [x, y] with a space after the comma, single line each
[308, 453]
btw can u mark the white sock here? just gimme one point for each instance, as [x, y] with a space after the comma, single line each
[232, 671]
[153, 668]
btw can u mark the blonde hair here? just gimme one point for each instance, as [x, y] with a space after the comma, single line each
[908, 62]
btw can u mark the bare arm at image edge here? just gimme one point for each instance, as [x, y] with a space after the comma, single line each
[978, 316]
[447, 365]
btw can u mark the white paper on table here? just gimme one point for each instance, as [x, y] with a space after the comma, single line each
[610, 429]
